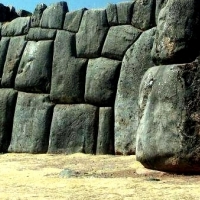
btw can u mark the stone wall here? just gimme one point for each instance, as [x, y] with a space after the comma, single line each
[119, 80]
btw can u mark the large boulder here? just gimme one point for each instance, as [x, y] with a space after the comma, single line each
[68, 72]
[168, 134]
[54, 15]
[74, 129]
[125, 35]
[135, 63]
[34, 72]
[15, 51]
[111, 12]
[7, 107]
[91, 35]
[32, 121]
[18, 26]
[105, 140]
[177, 36]
[101, 81]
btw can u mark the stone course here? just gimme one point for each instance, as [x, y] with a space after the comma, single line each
[119, 80]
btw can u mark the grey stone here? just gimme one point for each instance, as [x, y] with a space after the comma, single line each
[101, 81]
[135, 63]
[160, 4]
[124, 11]
[7, 107]
[73, 20]
[32, 121]
[41, 34]
[68, 72]
[15, 50]
[4, 13]
[91, 34]
[111, 12]
[54, 15]
[168, 134]
[105, 140]
[16, 27]
[118, 40]
[74, 129]
[34, 72]
[24, 13]
[3, 52]
[144, 14]
[177, 32]
[37, 15]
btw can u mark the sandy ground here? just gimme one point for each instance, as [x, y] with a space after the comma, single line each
[85, 177]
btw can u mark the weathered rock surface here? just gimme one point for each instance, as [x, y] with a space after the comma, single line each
[34, 72]
[68, 72]
[144, 14]
[101, 81]
[125, 35]
[124, 12]
[7, 13]
[37, 34]
[54, 15]
[91, 35]
[168, 133]
[16, 27]
[24, 13]
[3, 52]
[32, 121]
[37, 15]
[177, 32]
[7, 107]
[74, 129]
[160, 4]
[111, 12]
[73, 20]
[105, 140]
[135, 63]
[15, 50]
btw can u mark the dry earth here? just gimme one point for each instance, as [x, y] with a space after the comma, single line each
[85, 177]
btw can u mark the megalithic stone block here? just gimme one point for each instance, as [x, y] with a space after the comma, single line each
[111, 12]
[177, 36]
[32, 122]
[91, 35]
[34, 72]
[68, 72]
[8, 99]
[105, 140]
[168, 136]
[15, 50]
[136, 62]
[74, 129]
[54, 15]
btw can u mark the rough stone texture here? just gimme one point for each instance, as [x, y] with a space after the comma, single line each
[74, 129]
[32, 121]
[68, 72]
[124, 12]
[24, 13]
[111, 12]
[105, 140]
[91, 34]
[101, 81]
[7, 107]
[125, 35]
[3, 52]
[15, 50]
[16, 27]
[144, 14]
[34, 72]
[168, 134]
[160, 4]
[37, 15]
[41, 34]
[135, 63]
[73, 20]
[54, 15]
[177, 33]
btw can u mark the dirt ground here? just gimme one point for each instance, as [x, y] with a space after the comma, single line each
[85, 177]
